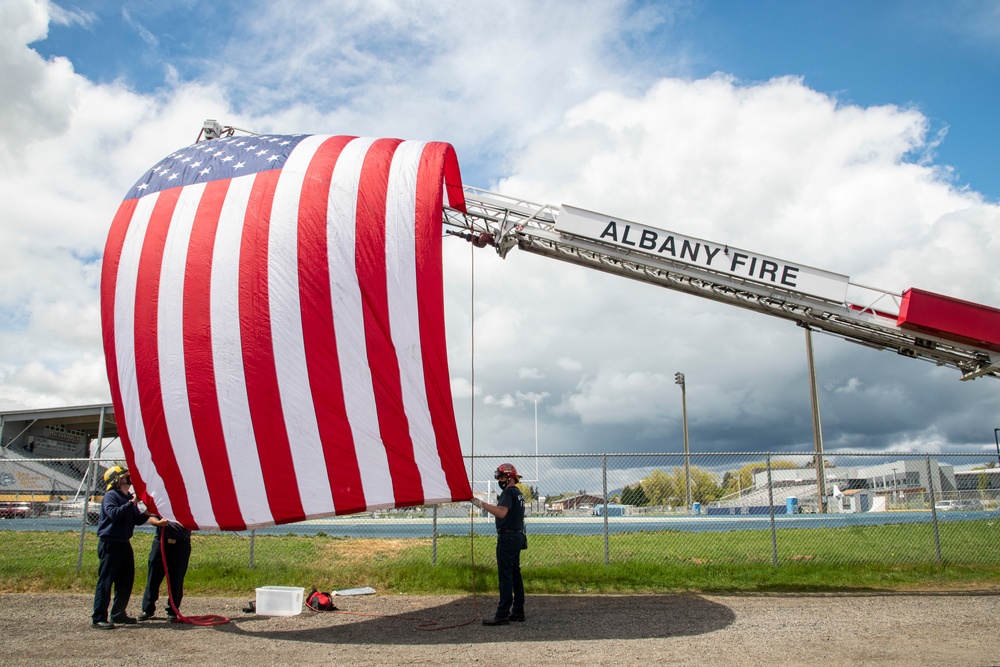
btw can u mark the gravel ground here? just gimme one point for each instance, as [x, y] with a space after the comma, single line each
[912, 630]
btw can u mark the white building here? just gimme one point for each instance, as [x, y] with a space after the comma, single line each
[851, 501]
[904, 476]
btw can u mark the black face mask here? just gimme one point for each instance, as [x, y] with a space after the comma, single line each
[503, 483]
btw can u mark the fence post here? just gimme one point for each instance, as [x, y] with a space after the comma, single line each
[91, 472]
[604, 477]
[770, 504]
[252, 536]
[930, 487]
[434, 538]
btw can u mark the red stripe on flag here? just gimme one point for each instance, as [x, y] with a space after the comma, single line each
[451, 172]
[273, 447]
[147, 359]
[319, 332]
[109, 282]
[199, 369]
[437, 158]
[370, 264]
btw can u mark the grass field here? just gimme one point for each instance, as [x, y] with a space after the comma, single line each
[862, 558]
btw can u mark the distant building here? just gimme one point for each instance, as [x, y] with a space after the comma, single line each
[614, 509]
[852, 501]
[986, 479]
[888, 484]
[894, 477]
[582, 501]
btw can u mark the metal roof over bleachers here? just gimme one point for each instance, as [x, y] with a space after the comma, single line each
[81, 418]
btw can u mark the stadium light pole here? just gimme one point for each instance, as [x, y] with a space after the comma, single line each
[679, 379]
[995, 437]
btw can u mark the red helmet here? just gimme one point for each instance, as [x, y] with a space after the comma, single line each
[506, 469]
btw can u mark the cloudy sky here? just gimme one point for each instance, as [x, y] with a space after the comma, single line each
[856, 137]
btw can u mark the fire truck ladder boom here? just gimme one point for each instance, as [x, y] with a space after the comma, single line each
[868, 316]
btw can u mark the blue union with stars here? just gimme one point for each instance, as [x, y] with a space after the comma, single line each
[216, 159]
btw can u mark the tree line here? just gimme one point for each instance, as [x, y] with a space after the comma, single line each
[661, 488]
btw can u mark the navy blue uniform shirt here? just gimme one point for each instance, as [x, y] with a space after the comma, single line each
[513, 500]
[119, 517]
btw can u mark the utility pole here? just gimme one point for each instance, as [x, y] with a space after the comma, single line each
[817, 427]
[679, 379]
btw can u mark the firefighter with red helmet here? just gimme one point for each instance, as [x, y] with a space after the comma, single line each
[511, 540]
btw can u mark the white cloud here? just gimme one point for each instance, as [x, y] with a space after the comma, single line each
[39, 95]
[617, 397]
[515, 400]
[505, 401]
[63, 16]
[569, 364]
[853, 386]
[144, 34]
[486, 77]
[78, 382]
[69, 150]
[460, 388]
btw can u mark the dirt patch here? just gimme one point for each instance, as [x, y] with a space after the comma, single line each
[737, 631]
[369, 549]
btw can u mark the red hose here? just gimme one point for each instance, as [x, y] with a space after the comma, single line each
[208, 619]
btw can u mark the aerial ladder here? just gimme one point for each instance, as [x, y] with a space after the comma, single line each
[915, 323]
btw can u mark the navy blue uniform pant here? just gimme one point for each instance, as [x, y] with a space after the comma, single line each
[509, 547]
[178, 555]
[116, 568]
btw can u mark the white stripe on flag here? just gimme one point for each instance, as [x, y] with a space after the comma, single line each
[227, 357]
[170, 345]
[124, 323]
[286, 333]
[401, 270]
[348, 314]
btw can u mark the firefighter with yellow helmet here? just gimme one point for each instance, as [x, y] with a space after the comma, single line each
[120, 514]
[511, 540]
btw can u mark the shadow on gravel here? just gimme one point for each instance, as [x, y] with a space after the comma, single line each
[550, 618]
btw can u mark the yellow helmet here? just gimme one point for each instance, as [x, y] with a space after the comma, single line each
[113, 475]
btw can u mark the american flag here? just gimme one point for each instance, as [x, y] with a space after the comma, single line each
[273, 318]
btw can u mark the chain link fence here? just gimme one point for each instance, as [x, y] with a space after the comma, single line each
[732, 508]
